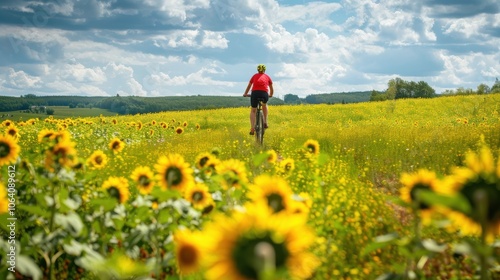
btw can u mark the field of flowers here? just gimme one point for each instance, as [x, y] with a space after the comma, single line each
[406, 189]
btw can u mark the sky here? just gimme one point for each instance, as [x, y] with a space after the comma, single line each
[212, 47]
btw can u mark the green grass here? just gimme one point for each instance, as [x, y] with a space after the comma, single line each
[60, 112]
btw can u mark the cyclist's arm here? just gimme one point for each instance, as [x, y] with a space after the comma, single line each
[248, 89]
[271, 90]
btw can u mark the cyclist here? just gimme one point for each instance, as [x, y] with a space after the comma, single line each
[262, 87]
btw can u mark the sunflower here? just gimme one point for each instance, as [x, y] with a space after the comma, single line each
[199, 196]
[13, 131]
[234, 173]
[238, 246]
[272, 191]
[477, 182]
[188, 251]
[179, 130]
[211, 165]
[413, 183]
[174, 172]
[202, 159]
[272, 156]
[9, 149]
[45, 134]
[143, 176]
[117, 187]
[312, 146]
[198, 126]
[286, 166]
[114, 121]
[7, 123]
[60, 136]
[97, 160]
[4, 202]
[62, 153]
[116, 145]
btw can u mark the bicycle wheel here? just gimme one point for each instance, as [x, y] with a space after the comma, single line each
[259, 127]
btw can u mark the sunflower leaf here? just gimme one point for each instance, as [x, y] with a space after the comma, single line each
[106, 203]
[457, 203]
[36, 210]
[380, 242]
[260, 159]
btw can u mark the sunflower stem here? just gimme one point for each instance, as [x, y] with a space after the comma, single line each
[481, 200]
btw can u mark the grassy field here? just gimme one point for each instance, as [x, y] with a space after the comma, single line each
[332, 194]
[59, 112]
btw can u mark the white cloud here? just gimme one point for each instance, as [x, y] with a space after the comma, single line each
[315, 13]
[473, 66]
[468, 27]
[83, 74]
[20, 79]
[66, 88]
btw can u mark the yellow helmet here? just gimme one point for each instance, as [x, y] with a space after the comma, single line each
[261, 68]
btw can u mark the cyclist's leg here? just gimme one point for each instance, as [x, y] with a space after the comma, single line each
[264, 110]
[253, 103]
[252, 118]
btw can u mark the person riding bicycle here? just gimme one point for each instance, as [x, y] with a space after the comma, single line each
[262, 87]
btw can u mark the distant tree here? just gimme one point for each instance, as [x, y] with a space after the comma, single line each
[378, 96]
[291, 99]
[424, 90]
[398, 88]
[49, 111]
[72, 105]
[496, 87]
[312, 99]
[483, 89]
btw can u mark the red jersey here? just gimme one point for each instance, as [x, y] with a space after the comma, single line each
[261, 81]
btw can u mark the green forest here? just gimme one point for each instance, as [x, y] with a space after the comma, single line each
[396, 89]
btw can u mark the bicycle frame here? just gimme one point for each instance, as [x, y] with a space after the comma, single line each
[259, 123]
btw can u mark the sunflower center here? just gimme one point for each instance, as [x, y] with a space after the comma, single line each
[4, 149]
[116, 145]
[188, 255]
[245, 258]
[98, 160]
[413, 195]
[144, 180]
[288, 166]
[311, 148]
[173, 176]
[275, 201]
[207, 209]
[114, 192]
[12, 132]
[491, 199]
[203, 161]
[197, 196]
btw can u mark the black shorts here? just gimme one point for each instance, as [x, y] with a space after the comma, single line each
[256, 94]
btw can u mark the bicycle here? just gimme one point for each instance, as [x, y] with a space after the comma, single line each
[259, 122]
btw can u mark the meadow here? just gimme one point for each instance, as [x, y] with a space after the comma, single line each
[60, 112]
[353, 191]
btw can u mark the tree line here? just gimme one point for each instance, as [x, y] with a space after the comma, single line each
[127, 104]
[396, 88]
